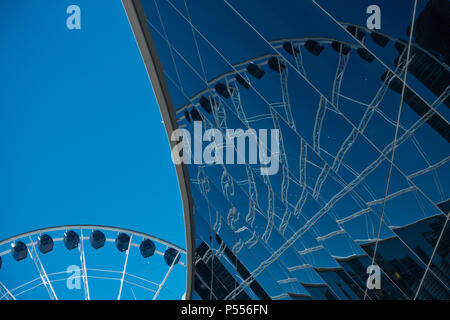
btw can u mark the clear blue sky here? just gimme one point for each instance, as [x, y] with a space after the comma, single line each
[81, 138]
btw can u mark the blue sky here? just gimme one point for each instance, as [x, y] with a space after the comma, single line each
[81, 138]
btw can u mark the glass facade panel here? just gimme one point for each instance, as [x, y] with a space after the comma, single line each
[363, 154]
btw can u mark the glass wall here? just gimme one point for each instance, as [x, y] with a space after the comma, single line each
[361, 109]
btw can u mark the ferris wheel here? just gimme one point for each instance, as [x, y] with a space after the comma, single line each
[90, 262]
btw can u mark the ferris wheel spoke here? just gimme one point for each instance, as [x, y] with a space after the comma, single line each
[166, 276]
[87, 295]
[124, 268]
[320, 115]
[7, 292]
[42, 273]
[340, 70]
[284, 87]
